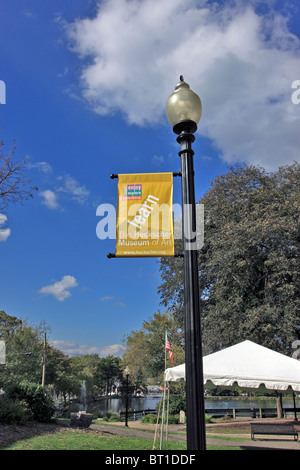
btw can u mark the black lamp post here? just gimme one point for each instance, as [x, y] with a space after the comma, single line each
[184, 110]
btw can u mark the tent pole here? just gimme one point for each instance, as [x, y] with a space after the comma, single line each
[294, 401]
[164, 397]
[168, 403]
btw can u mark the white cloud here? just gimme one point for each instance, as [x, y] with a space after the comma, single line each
[157, 160]
[241, 64]
[49, 199]
[5, 232]
[64, 73]
[42, 166]
[70, 186]
[60, 289]
[117, 302]
[74, 349]
[113, 350]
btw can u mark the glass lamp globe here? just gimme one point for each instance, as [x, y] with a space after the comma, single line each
[183, 105]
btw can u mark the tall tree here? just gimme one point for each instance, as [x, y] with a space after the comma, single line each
[145, 348]
[8, 324]
[15, 186]
[109, 371]
[249, 264]
[24, 349]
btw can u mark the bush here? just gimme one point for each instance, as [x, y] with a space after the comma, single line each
[123, 414]
[97, 413]
[173, 419]
[35, 397]
[111, 416]
[177, 403]
[149, 419]
[14, 411]
[152, 419]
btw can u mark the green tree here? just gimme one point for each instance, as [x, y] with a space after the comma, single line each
[24, 349]
[8, 324]
[109, 371]
[60, 373]
[65, 380]
[145, 348]
[249, 264]
[136, 357]
[84, 368]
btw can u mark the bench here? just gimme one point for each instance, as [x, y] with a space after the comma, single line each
[273, 429]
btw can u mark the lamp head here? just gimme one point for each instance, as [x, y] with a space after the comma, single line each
[183, 106]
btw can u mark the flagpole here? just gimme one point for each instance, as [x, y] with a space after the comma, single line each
[164, 396]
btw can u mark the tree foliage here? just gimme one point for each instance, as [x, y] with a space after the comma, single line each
[249, 264]
[36, 397]
[109, 372]
[145, 348]
[23, 344]
[24, 351]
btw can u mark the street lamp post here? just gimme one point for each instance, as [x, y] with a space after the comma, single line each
[184, 110]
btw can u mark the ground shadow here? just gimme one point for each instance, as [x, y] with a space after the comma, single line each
[9, 434]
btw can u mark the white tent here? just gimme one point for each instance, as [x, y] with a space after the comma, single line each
[248, 365]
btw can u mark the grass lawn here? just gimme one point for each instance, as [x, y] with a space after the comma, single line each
[69, 439]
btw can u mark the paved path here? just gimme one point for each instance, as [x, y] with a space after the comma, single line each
[266, 444]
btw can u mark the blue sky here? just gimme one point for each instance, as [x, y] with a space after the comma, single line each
[86, 86]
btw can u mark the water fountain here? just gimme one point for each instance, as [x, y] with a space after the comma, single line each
[83, 403]
[82, 419]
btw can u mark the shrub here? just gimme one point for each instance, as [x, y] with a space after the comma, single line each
[177, 403]
[149, 419]
[36, 398]
[110, 416]
[152, 419]
[97, 413]
[173, 419]
[123, 414]
[14, 411]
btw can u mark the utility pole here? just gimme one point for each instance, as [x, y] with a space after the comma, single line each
[44, 362]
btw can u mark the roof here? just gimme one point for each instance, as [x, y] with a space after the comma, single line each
[247, 364]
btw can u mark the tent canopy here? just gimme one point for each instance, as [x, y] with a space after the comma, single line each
[248, 365]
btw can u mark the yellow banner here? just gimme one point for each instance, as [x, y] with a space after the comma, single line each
[144, 216]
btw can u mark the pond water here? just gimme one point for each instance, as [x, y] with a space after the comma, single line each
[117, 404]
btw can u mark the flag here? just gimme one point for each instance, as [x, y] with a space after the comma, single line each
[168, 348]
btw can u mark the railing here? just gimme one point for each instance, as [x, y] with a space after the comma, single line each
[252, 412]
[219, 412]
[139, 412]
